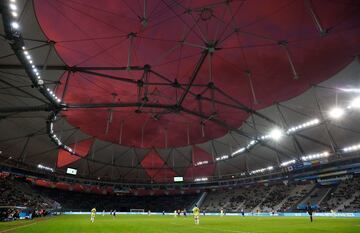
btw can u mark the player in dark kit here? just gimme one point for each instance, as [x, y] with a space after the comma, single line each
[310, 211]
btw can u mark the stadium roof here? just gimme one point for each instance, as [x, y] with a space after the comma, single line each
[144, 91]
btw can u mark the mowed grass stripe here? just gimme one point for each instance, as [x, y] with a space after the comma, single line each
[171, 224]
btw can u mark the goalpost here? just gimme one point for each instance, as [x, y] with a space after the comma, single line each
[137, 211]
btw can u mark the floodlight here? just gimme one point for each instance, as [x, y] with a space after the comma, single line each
[355, 103]
[15, 25]
[13, 6]
[276, 134]
[336, 113]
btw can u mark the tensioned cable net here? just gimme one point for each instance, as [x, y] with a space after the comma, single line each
[205, 90]
[174, 73]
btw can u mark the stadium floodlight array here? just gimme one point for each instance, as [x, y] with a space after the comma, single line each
[287, 163]
[355, 103]
[69, 149]
[53, 95]
[261, 170]
[13, 9]
[56, 139]
[24, 55]
[278, 133]
[315, 156]
[351, 148]
[303, 126]
[200, 179]
[51, 127]
[201, 163]
[251, 143]
[46, 168]
[15, 27]
[241, 150]
[352, 90]
[336, 112]
[223, 157]
[275, 134]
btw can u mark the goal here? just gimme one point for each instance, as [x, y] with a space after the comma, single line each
[137, 210]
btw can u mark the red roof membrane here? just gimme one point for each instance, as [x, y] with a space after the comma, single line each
[156, 167]
[202, 166]
[254, 52]
[81, 149]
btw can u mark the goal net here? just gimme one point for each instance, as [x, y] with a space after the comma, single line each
[137, 210]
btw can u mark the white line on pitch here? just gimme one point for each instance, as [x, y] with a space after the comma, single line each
[224, 230]
[212, 228]
[14, 228]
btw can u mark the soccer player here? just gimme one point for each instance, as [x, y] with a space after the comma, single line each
[243, 212]
[196, 212]
[221, 212]
[310, 211]
[93, 212]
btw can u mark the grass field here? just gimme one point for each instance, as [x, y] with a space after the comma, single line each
[170, 224]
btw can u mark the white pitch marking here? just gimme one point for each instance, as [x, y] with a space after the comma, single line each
[224, 230]
[14, 228]
[216, 229]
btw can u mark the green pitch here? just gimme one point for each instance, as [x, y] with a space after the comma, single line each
[171, 224]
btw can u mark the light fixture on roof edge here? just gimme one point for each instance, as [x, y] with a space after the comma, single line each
[13, 6]
[287, 163]
[315, 156]
[15, 25]
[336, 112]
[276, 134]
[355, 103]
[307, 124]
[351, 148]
